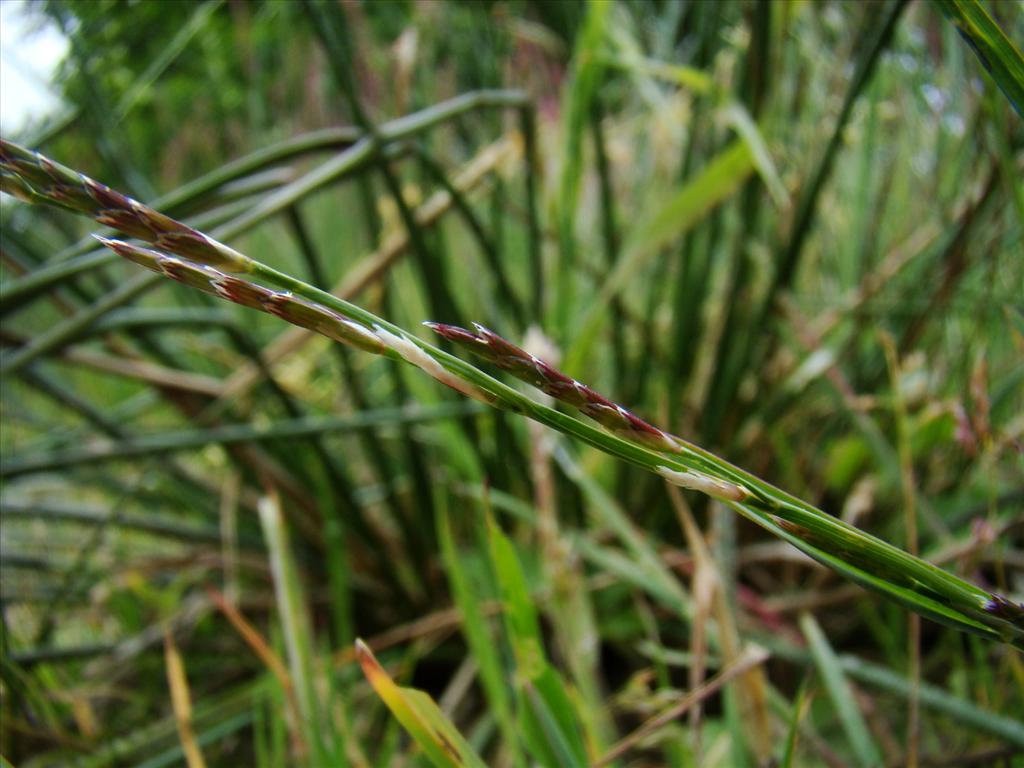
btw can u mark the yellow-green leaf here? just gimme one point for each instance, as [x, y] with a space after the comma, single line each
[420, 716]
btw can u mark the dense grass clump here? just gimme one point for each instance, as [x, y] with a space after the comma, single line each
[726, 464]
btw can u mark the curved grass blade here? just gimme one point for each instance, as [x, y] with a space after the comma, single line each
[842, 696]
[994, 49]
[547, 715]
[443, 745]
[478, 638]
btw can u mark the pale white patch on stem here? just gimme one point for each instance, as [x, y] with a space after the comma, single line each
[354, 333]
[712, 486]
[413, 354]
[669, 444]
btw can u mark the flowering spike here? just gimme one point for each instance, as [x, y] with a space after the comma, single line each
[411, 353]
[284, 304]
[29, 174]
[535, 372]
[451, 332]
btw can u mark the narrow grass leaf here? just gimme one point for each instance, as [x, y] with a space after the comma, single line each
[962, 711]
[443, 745]
[547, 714]
[718, 181]
[927, 606]
[690, 78]
[474, 627]
[841, 694]
[994, 49]
[604, 510]
[181, 701]
[740, 119]
[580, 89]
[295, 622]
[800, 706]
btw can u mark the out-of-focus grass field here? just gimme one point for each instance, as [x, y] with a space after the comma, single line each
[789, 232]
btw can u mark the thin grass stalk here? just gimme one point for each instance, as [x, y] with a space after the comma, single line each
[800, 707]
[579, 91]
[340, 482]
[609, 237]
[15, 293]
[241, 453]
[149, 445]
[193, 193]
[164, 318]
[873, 41]
[528, 128]
[331, 25]
[335, 527]
[181, 702]
[170, 381]
[42, 382]
[907, 486]
[845, 703]
[373, 224]
[753, 91]
[295, 625]
[146, 742]
[748, 659]
[504, 292]
[63, 332]
[75, 575]
[990, 44]
[955, 261]
[686, 292]
[263, 651]
[478, 634]
[577, 632]
[705, 584]
[353, 383]
[1001, 725]
[162, 527]
[685, 310]
[717, 181]
[110, 139]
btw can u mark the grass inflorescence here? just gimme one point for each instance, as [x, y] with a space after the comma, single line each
[228, 538]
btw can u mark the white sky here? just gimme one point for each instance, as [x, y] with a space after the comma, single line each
[27, 61]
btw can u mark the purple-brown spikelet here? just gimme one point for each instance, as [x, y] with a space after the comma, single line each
[1005, 609]
[29, 175]
[535, 372]
[242, 292]
[283, 304]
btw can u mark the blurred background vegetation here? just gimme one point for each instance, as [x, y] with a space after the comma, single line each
[788, 231]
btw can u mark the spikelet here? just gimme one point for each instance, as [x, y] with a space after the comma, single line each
[31, 176]
[283, 304]
[537, 373]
